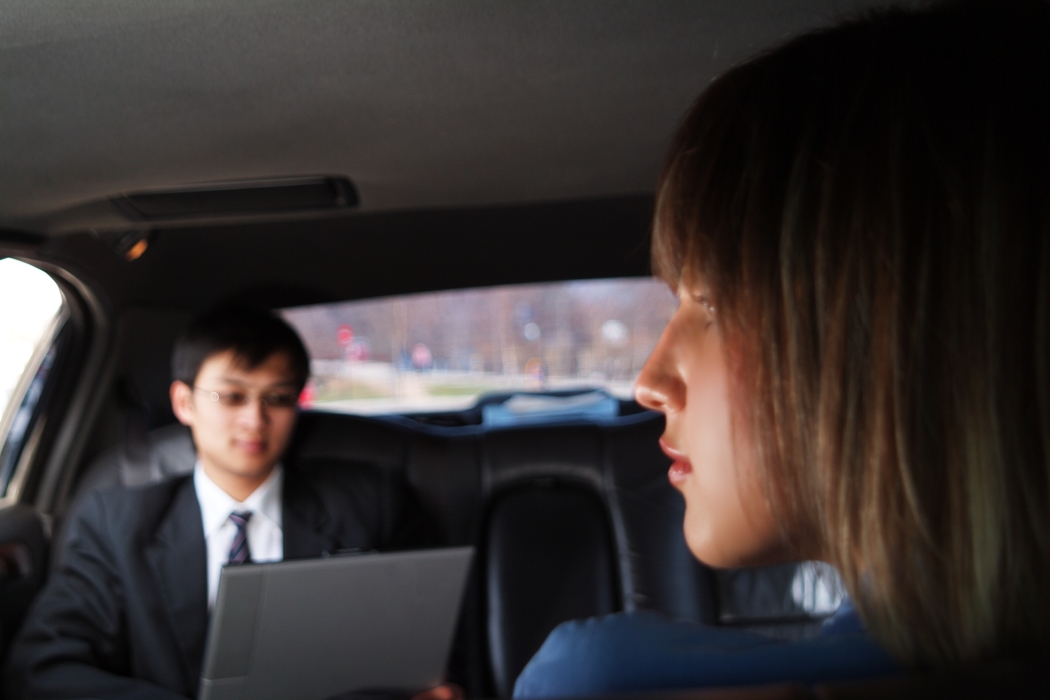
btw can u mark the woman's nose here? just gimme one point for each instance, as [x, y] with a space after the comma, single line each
[659, 386]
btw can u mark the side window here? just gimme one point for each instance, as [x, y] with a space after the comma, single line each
[779, 594]
[31, 313]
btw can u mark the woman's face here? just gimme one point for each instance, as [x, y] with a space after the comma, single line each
[728, 521]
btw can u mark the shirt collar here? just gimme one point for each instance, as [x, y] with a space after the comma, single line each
[216, 505]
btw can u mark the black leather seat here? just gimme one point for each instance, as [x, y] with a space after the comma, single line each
[579, 521]
[23, 566]
[570, 520]
[548, 557]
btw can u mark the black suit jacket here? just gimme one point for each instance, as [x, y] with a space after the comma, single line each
[124, 613]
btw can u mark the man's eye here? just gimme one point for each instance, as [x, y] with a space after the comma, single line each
[281, 400]
[232, 398]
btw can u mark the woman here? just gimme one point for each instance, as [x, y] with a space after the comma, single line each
[857, 226]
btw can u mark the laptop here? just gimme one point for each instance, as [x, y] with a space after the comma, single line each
[314, 628]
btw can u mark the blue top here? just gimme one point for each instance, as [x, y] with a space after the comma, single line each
[644, 651]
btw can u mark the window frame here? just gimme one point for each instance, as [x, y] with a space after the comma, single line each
[65, 415]
[30, 441]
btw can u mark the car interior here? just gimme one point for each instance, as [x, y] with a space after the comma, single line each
[160, 158]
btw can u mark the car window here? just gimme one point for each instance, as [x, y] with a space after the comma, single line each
[31, 310]
[441, 351]
[784, 592]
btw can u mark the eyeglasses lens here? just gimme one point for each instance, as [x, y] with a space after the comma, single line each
[236, 399]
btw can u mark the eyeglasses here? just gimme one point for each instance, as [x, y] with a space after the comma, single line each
[236, 399]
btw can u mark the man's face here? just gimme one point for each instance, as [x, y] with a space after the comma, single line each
[241, 419]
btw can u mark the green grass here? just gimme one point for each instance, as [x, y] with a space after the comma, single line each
[459, 389]
[341, 390]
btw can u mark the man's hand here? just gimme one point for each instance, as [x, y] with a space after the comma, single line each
[445, 691]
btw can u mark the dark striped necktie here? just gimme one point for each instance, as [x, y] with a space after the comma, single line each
[239, 552]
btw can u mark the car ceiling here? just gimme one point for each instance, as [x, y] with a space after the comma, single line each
[424, 105]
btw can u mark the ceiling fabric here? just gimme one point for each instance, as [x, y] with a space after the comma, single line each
[422, 104]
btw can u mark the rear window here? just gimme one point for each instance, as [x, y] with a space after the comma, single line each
[442, 351]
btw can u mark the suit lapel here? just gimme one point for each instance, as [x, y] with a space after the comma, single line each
[305, 522]
[178, 556]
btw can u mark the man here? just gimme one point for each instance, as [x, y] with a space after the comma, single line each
[125, 612]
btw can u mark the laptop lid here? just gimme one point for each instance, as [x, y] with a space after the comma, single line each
[314, 628]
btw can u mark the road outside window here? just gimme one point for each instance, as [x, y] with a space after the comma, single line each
[441, 351]
[29, 301]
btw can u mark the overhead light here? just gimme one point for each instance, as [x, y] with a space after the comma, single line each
[129, 245]
[137, 249]
[275, 196]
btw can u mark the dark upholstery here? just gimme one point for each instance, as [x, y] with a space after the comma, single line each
[143, 459]
[658, 571]
[23, 566]
[570, 520]
[548, 558]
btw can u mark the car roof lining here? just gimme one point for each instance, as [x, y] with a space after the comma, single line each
[421, 104]
[490, 143]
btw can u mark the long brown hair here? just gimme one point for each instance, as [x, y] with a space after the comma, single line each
[870, 205]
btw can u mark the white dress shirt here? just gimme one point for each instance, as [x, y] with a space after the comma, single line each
[265, 537]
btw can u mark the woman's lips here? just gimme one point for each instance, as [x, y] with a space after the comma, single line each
[680, 468]
[679, 472]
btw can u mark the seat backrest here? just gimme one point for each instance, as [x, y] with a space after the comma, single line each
[588, 512]
[547, 550]
[570, 521]
[23, 567]
[142, 459]
[658, 572]
[548, 557]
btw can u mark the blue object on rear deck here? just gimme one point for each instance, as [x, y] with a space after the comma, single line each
[524, 409]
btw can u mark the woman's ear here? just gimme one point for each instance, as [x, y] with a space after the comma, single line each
[182, 402]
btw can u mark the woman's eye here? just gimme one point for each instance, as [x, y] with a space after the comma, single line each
[704, 302]
[708, 307]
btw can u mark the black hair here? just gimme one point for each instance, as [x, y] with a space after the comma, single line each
[254, 335]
